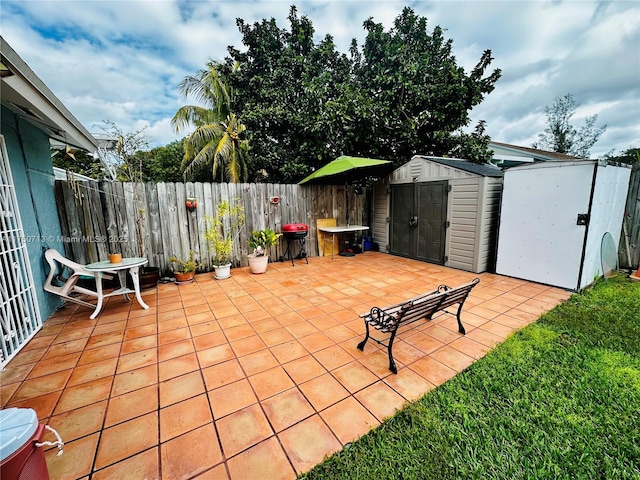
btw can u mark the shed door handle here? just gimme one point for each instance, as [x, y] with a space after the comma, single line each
[413, 221]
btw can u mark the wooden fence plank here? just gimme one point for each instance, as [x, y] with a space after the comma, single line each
[75, 226]
[65, 218]
[156, 247]
[192, 222]
[271, 216]
[143, 219]
[121, 215]
[99, 233]
[202, 252]
[207, 210]
[182, 224]
[130, 216]
[305, 200]
[107, 197]
[631, 258]
[165, 210]
[240, 242]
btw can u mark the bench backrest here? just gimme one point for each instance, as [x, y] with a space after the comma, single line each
[459, 294]
[426, 306]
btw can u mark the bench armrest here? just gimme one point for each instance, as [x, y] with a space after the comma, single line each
[383, 320]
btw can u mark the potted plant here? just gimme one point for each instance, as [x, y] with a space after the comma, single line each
[221, 233]
[186, 269]
[260, 241]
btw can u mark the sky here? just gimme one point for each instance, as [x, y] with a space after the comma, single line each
[122, 61]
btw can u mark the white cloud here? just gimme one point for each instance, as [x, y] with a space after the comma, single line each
[123, 60]
[162, 129]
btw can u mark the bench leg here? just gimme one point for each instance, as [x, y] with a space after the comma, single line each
[362, 343]
[460, 327]
[392, 364]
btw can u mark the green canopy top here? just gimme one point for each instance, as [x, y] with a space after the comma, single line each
[346, 169]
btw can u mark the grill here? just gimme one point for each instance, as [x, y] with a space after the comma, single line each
[295, 232]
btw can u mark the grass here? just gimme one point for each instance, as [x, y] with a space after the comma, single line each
[558, 399]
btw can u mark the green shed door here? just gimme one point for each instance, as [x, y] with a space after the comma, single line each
[402, 207]
[431, 205]
[418, 216]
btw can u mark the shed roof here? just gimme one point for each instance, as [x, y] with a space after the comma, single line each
[483, 169]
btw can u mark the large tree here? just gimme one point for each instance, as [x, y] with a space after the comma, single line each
[402, 93]
[561, 136]
[282, 82]
[419, 96]
[218, 141]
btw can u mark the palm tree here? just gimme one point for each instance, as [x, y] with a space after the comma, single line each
[217, 139]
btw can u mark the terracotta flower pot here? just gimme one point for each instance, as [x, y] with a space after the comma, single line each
[184, 277]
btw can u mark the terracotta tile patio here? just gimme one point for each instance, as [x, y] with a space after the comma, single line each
[253, 377]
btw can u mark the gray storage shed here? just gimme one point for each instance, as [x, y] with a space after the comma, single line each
[440, 210]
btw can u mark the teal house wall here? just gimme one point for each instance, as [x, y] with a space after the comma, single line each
[32, 171]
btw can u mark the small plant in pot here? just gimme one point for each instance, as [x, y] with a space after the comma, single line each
[221, 233]
[186, 269]
[260, 241]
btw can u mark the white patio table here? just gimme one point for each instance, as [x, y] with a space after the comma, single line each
[127, 264]
[342, 229]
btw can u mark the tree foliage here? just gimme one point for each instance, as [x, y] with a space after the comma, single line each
[162, 164]
[305, 103]
[474, 146]
[629, 156]
[562, 137]
[420, 95]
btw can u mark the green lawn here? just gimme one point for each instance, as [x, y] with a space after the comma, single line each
[559, 399]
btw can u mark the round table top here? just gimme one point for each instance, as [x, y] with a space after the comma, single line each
[125, 263]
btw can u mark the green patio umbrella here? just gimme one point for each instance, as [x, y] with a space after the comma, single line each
[346, 170]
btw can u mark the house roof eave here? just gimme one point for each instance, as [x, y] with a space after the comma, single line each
[533, 152]
[24, 93]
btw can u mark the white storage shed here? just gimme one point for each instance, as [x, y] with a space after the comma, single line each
[554, 216]
[440, 210]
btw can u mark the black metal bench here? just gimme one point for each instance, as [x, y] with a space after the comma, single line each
[389, 319]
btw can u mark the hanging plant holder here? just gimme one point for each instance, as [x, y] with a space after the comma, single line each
[191, 204]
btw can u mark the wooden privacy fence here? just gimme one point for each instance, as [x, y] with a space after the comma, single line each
[629, 251]
[151, 219]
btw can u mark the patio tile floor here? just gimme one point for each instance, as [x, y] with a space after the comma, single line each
[253, 377]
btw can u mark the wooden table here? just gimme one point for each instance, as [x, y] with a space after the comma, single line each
[341, 229]
[127, 264]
